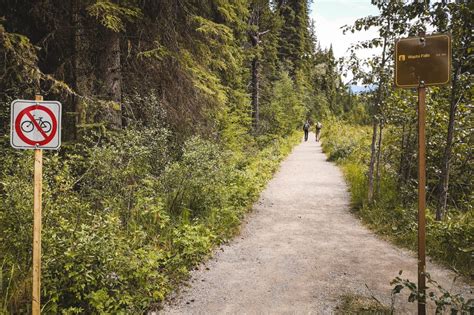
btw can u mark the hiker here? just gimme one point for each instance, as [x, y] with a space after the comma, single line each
[306, 130]
[318, 131]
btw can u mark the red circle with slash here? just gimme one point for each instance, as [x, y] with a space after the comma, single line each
[27, 112]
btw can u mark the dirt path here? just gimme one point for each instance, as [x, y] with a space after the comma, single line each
[300, 250]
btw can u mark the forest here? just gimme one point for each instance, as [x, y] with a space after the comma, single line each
[176, 114]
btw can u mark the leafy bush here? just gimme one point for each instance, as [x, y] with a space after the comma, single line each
[123, 218]
[96, 267]
[449, 241]
[345, 142]
[445, 301]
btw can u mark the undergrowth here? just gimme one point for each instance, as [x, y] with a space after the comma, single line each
[124, 217]
[392, 214]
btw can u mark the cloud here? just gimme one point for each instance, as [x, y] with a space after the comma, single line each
[328, 31]
[330, 16]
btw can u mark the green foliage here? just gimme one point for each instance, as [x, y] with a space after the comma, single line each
[119, 231]
[19, 75]
[445, 300]
[194, 182]
[357, 304]
[295, 42]
[339, 146]
[286, 110]
[95, 267]
[392, 214]
[128, 212]
[190, 243]
[112, 15]
[447, 105]
[20, 58]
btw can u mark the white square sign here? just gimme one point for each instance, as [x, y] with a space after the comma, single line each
[35, 124]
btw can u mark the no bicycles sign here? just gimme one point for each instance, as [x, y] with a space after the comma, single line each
[35, 124]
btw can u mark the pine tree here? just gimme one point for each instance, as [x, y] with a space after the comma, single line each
[295, 42]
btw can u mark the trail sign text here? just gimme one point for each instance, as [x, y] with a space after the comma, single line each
[426, 59]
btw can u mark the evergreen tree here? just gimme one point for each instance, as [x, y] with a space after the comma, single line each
[295, 42]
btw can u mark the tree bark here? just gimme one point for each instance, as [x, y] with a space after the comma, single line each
[255, 36]
[444, 180]
[378, 102]
[82, 74]
[255, 93]
[379, 153]
[112, 79]
[370, 193]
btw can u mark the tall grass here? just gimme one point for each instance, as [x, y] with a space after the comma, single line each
[448, 241]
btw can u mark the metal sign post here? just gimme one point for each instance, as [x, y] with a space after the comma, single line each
[38, 190]
[421, 199]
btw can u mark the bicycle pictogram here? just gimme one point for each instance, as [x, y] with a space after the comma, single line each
[28, 125]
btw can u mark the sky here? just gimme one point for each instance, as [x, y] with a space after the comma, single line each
[330, 15]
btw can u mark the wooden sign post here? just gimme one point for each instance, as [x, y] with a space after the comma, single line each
[38, 190]
[421, 198]
[420, 62]
[36, 125]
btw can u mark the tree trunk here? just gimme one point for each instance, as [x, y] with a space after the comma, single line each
[370, 193]
[82, 64]
[411, 140]
[112, 79]
[379, 153]
[406, 160]
[378, 102]
[444, 180]
[402, 157]
[255, 36]
[255, 93]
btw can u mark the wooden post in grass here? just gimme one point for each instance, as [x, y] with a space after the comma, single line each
[420, 62]
[421, 199]
[38, 183]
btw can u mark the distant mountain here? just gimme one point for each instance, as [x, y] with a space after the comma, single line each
[356, 89]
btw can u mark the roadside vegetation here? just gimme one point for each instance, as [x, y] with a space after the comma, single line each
[375, 141]
[355, 304]
[175, 116]
[123, 222]
[393, 212]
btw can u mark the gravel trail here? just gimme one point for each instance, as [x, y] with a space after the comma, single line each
[300, 251]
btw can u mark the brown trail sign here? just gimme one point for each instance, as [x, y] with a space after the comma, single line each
[420, 62]
[423, 59]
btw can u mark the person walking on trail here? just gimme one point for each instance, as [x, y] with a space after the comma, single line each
[306, 130]
[319, 126]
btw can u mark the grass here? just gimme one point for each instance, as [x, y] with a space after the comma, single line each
[448, 242]
[358, 304]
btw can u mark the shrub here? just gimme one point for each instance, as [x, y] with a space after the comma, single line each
[449, 241]
[123, 218]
